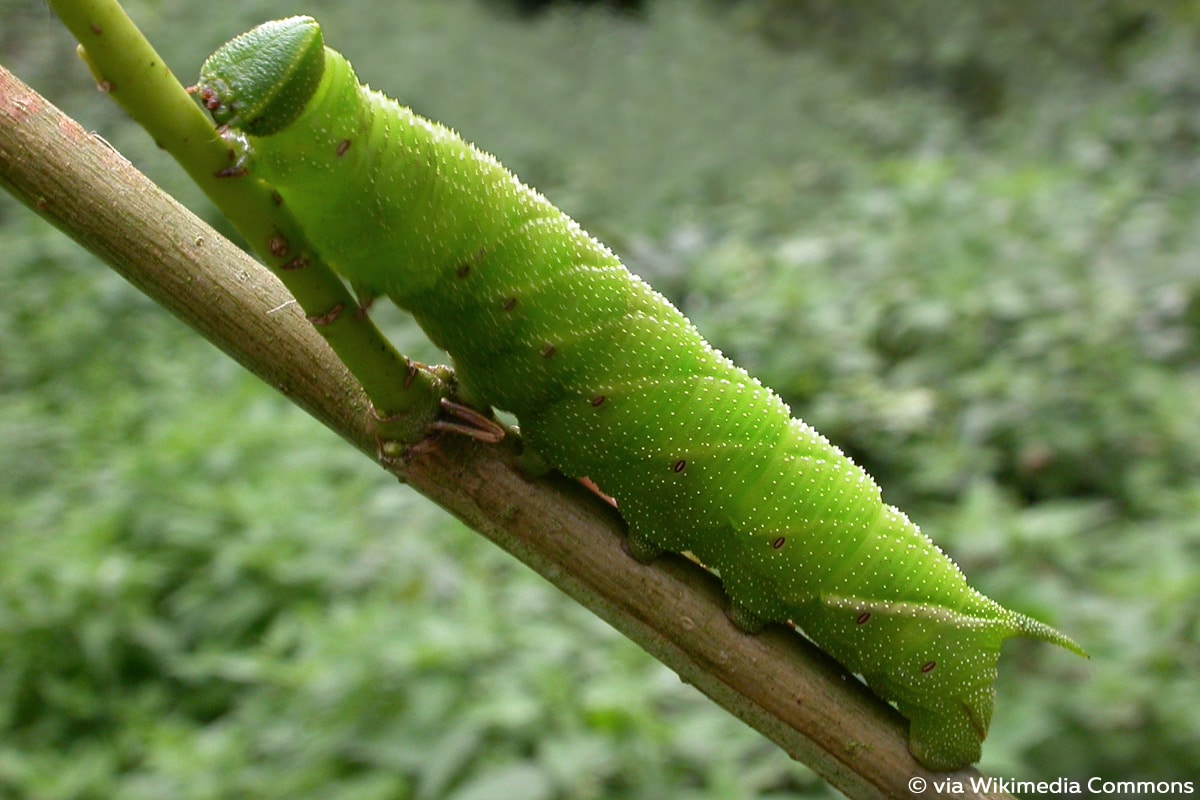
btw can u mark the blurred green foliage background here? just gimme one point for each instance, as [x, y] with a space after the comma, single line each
[960, 239]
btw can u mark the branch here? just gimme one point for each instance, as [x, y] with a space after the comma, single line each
[775, 681]
[132, 73]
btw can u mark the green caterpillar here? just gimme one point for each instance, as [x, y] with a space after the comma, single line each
[610, 381]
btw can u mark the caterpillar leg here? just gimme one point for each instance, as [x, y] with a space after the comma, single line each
[462, 421]
[466, 421]
[532, 462]
[640, 544]
[744, 618]
[950, 736]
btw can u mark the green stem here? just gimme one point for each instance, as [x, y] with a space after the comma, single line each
[129, 70]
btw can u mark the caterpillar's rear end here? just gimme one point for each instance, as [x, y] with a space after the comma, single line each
[611, 382]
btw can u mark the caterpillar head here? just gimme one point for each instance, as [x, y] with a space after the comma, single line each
[260, 81]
